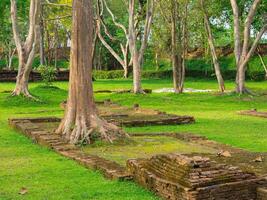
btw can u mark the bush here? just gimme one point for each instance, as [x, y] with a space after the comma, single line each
[48, 74]
[114, 74]
[192, 73]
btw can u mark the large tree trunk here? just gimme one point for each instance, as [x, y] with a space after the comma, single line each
[81, 123]
[213, 49]
[26, 50]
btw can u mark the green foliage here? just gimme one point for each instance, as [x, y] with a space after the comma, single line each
[48, 74]
[195, 68]
[113, 74]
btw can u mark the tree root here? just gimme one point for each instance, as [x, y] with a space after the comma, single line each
[246, 91]
[25, 94]
[141, 91]
[84, 133]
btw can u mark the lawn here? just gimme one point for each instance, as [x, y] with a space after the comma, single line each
[47, 175]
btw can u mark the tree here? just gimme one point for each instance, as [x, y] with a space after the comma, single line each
[212, 47]
[136, 53]
[124, 44]
[243, 50]
[175, 17]
[26, 50]
[81, 123]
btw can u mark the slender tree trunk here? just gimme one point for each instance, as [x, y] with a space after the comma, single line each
[137, 87]
[26, 50]
[138, 54]
[10, 58]
[81, 123]
[185, 44]
[177, 61]
[243, 53]
[42, 53]
[157, 61]
[213, 49]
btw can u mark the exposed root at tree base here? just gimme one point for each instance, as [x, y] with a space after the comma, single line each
[246, 91]
[98, 129]
[25, 94]
[139, 92]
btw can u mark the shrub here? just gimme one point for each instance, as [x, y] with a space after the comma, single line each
[48, 74]
[114, 74]
[192, 73]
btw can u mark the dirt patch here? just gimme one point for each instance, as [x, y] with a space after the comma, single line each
[253, 113]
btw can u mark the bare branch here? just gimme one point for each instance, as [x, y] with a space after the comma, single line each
[255, 44]
[247, 27]
[113, 18]
[236, 30]
[149, 17]
[15, 25]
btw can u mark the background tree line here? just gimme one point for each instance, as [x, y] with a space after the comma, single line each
[135, 35]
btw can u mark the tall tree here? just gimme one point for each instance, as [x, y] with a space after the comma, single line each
[27, 49]
[175, 16]
[81, 123]
[212, 46]
[243, 49]
[136, 53]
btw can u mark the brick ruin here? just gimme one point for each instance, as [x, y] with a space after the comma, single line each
[171, 176]
[180, 177]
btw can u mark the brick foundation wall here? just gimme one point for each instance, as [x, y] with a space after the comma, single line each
[10, 76]
[179, 177]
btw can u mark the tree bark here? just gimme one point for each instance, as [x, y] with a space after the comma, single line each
[176, 50]
[11, 54]
[213, 49]
[26, 50]
[42, 51]
[81, 123]
[243, 52]
[138, 54]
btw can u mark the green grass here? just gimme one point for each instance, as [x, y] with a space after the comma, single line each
[145, 147]
[47, 175]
